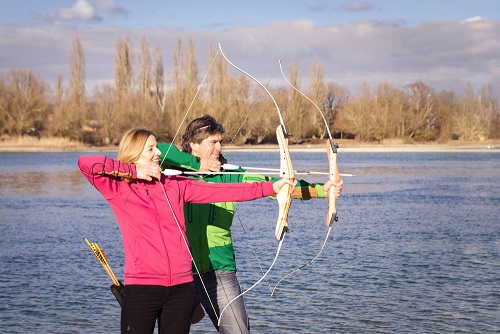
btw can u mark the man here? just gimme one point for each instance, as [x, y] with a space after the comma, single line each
[209, 225]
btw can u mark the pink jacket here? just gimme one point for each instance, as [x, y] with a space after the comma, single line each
[155, 250]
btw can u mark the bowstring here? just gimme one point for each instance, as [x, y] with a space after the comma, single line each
[165, 193]
[184, 238]
[190, 105]
[256, 283]
[175, 217]
[168, 200]
[247, 236]
[284, 130]
[304, 265]
[230, 143]
[253, 106]
[253, 250]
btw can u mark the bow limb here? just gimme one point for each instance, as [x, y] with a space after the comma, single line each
[259, 83]
[286, 168]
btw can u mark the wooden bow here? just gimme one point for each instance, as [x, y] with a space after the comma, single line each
[284, 195]
[333, 175]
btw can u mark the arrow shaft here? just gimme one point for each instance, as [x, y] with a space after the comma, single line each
[304, 172]
[170, 172]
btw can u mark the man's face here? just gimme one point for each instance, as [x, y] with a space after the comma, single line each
[209, 147]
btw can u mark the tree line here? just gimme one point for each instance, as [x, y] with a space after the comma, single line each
[144, 93]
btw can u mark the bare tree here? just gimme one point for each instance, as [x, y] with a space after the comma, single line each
[191, 75]
[27, 106]
[159, 81]
[106, 113]
[178, 94]
[59, 120]
[389, 108]
[220, 82]
[77, 75]
[145, 70]
[336, 99]
[488, 109]
[185, 77]
[124, 60]
[23, 103]
[421, 116]
[470, 122]
[361, 119]
[447, 104]
[317, 93]
[296, 105]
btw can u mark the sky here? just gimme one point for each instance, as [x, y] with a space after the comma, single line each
[443, 43]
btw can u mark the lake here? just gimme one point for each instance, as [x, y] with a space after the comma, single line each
[416, 248]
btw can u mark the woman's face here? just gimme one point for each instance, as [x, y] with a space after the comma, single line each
[150, 153]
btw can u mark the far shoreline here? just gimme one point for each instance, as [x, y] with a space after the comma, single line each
[293, 148]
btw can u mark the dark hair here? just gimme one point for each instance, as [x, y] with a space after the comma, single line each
[199, 129]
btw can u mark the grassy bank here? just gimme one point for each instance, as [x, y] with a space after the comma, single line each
[29, 143]
[34, 144]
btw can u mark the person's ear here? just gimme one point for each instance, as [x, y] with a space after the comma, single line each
[194, 147]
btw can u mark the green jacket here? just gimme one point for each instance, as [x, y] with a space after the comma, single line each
[208, 226]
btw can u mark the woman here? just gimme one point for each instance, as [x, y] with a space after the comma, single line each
[149, 209]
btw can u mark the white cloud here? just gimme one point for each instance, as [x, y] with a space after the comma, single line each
[474, 19]
[443, 55]
[83, 10]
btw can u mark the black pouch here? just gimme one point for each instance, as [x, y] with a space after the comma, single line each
[119, 292]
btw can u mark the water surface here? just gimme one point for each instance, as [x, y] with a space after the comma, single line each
[416, 248]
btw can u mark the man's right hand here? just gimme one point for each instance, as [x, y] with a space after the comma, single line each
[209, 165]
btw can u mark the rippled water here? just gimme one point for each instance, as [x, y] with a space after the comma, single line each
[416, 248]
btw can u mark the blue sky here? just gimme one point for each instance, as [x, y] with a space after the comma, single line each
[443, 43]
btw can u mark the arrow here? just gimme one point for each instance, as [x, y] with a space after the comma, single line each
[171, 172]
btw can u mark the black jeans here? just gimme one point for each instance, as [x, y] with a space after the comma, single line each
[171, 306]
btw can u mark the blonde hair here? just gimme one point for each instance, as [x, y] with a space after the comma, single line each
[132, 144]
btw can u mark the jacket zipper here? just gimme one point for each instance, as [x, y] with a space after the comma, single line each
[162, 238]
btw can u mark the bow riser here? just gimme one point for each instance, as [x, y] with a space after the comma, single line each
[287, 172]
[333, 175]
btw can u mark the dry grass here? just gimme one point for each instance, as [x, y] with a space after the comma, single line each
[34, 143]
[394, 141]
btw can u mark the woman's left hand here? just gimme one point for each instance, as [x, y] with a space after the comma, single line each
[337, 187]
[279, 184]
[148, 172]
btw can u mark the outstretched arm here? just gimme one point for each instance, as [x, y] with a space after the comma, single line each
[177, 159]
[303, 190]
